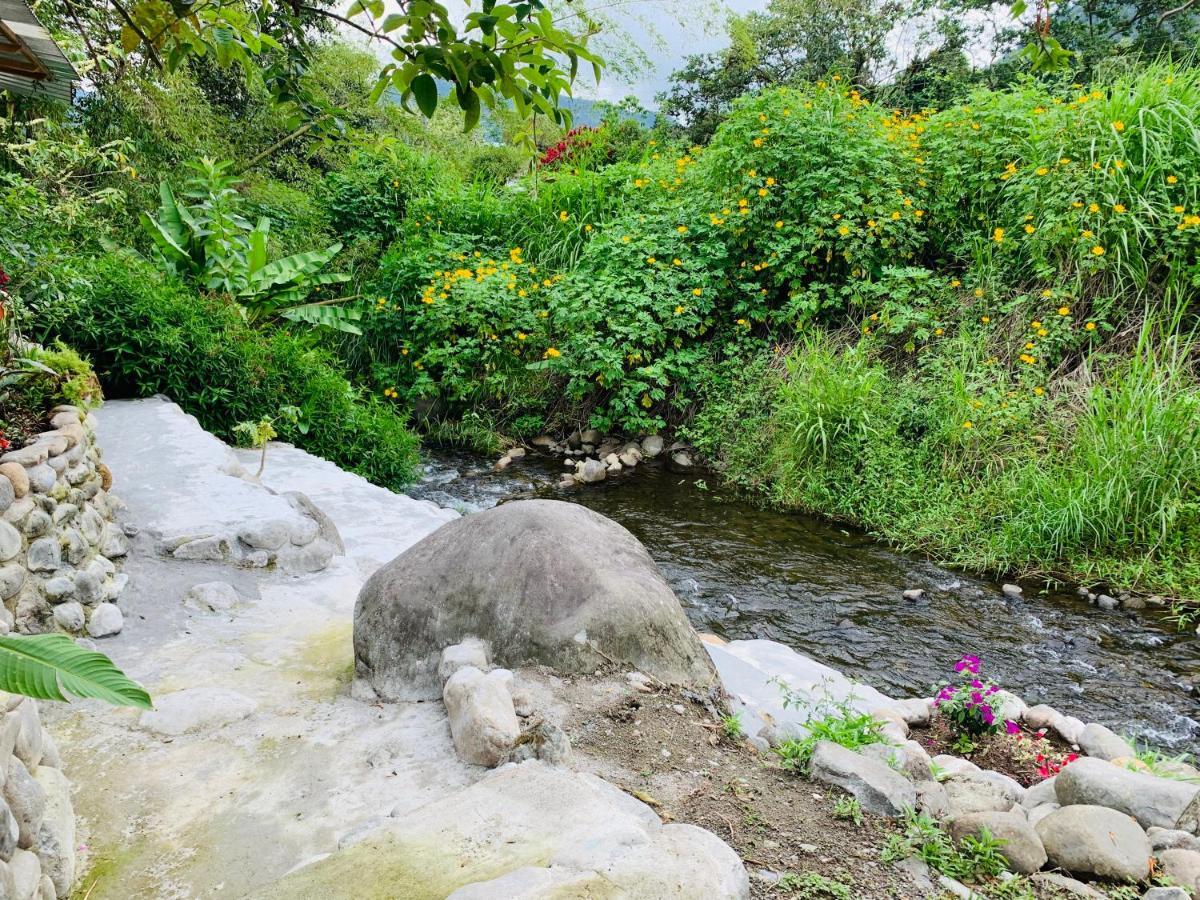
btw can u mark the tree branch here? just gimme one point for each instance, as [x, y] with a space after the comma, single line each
[138, 31]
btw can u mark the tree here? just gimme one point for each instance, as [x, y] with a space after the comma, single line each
[793, 40]
[501, 53]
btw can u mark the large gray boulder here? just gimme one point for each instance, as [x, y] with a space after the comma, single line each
[539, 581]
[1095, 840]
[1022, 847]
[1149, 799]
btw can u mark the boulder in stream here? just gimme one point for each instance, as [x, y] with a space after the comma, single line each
[540, 581]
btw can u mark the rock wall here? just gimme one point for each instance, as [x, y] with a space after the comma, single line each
[37, 822]
[58, 541]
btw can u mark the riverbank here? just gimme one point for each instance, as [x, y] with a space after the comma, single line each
[745, 571]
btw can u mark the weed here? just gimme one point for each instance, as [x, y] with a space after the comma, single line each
[811, 886]
[847, 807]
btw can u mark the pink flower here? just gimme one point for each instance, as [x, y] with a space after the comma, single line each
[1012, 727]
[968, 664]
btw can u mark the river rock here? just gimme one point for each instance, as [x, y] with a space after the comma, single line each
[1149, 799]
[529, 815]
[1182, 867]
[15, 473]
[1069, 728]
[1040, 716]
[1166, 893]
[196, 709]
[1095, 840]
[9, 833]
[269, 534]
[483, 722]
[1022, 847]
[1061, 886]
[878, 788]
[682, 461]
[11, 542]
[44, 555]
[1100, 742]
[652, 446]
[26, 874]
[933, 800]
[27, 800]
[106, 620]
[471, 652]
[56, 838]
[28, 745]
[212, 596]
[539, 581]
[590, 471]
[1172, 839]
[970, 795]
[12, 577]
[912, 595]
[1042, 792]
[41, 479]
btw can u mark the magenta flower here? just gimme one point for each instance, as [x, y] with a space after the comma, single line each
[968, 664]
[1012, 727]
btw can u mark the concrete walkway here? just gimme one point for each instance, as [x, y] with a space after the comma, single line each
[256, 759]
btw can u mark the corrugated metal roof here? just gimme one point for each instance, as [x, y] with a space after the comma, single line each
[30, 62]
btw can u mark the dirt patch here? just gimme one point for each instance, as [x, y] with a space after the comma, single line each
[667, 749]
[1028, 757]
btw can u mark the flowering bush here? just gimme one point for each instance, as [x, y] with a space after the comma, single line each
[966, 705]
[575, 141]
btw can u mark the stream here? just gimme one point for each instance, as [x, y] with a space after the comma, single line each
[834, 594]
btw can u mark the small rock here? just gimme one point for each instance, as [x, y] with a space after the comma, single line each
[26, 874]
[1061, 884]
[1182, 867]
[1040, 716]
[681, 461]
[15, 473]
[106, 620]
[44, 555]
[114, 543]
[1100, 742]
[878, 789]
[516, 453]
[1172, 839]
[70, 616]
[915, 711]
[268, 535]
[1022, 847]
[212, 596]
[591, 471]
[27, 800]
[1011, 590]
[1095, 840]
[502, 463]
[1069, 728]
[483, 722]
[1106, 602]
[969, 795]
[41, 479]
[1166, 893]
[12, 577]
[652, 446]
[912, 595]
[469, 652]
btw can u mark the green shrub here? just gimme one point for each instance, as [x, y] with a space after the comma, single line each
[147, 334]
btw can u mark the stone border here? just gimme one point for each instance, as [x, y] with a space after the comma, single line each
[58, 540]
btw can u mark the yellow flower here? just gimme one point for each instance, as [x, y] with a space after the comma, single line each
[1097, 250]
[682, 229]
[843, 230]
[677, 261]
[1065, 161]
[521, 335]
[918, 213]
[1047, 292]
[978, 292]
[743, 323]
[650, 260]
[678, 310]
[1171, 179]
[895, 215]
[1118, 125]
[757, 142]
[1042, 332]
[762, 192]
[1090, 326]
[624, 239]
[1038, 391]
[1035, 324]
[587, 227]
[954, 282]
[1042, 170]
[779, 224]
[770, 182]
[998, 235]
[1064, 310]
[1094, 207]
[696, 292]
[551, 353]
[1118, 207]
[1029, 229]
[743, 202]
[968, 424]
[938, 332]
[1177, 209]
[985, 319]
[562, 216]
[1077, 205]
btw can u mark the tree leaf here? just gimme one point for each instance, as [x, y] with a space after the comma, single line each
[424, 91]
[50, 666]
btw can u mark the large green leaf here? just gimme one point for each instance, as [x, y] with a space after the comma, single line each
[336, 317]
[50, 666]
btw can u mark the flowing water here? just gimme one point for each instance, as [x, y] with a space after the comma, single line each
[835, 595]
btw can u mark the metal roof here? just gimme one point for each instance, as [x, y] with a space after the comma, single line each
[30, 62]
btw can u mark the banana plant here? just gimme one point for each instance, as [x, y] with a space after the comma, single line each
[206, 240]
[51, 666]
